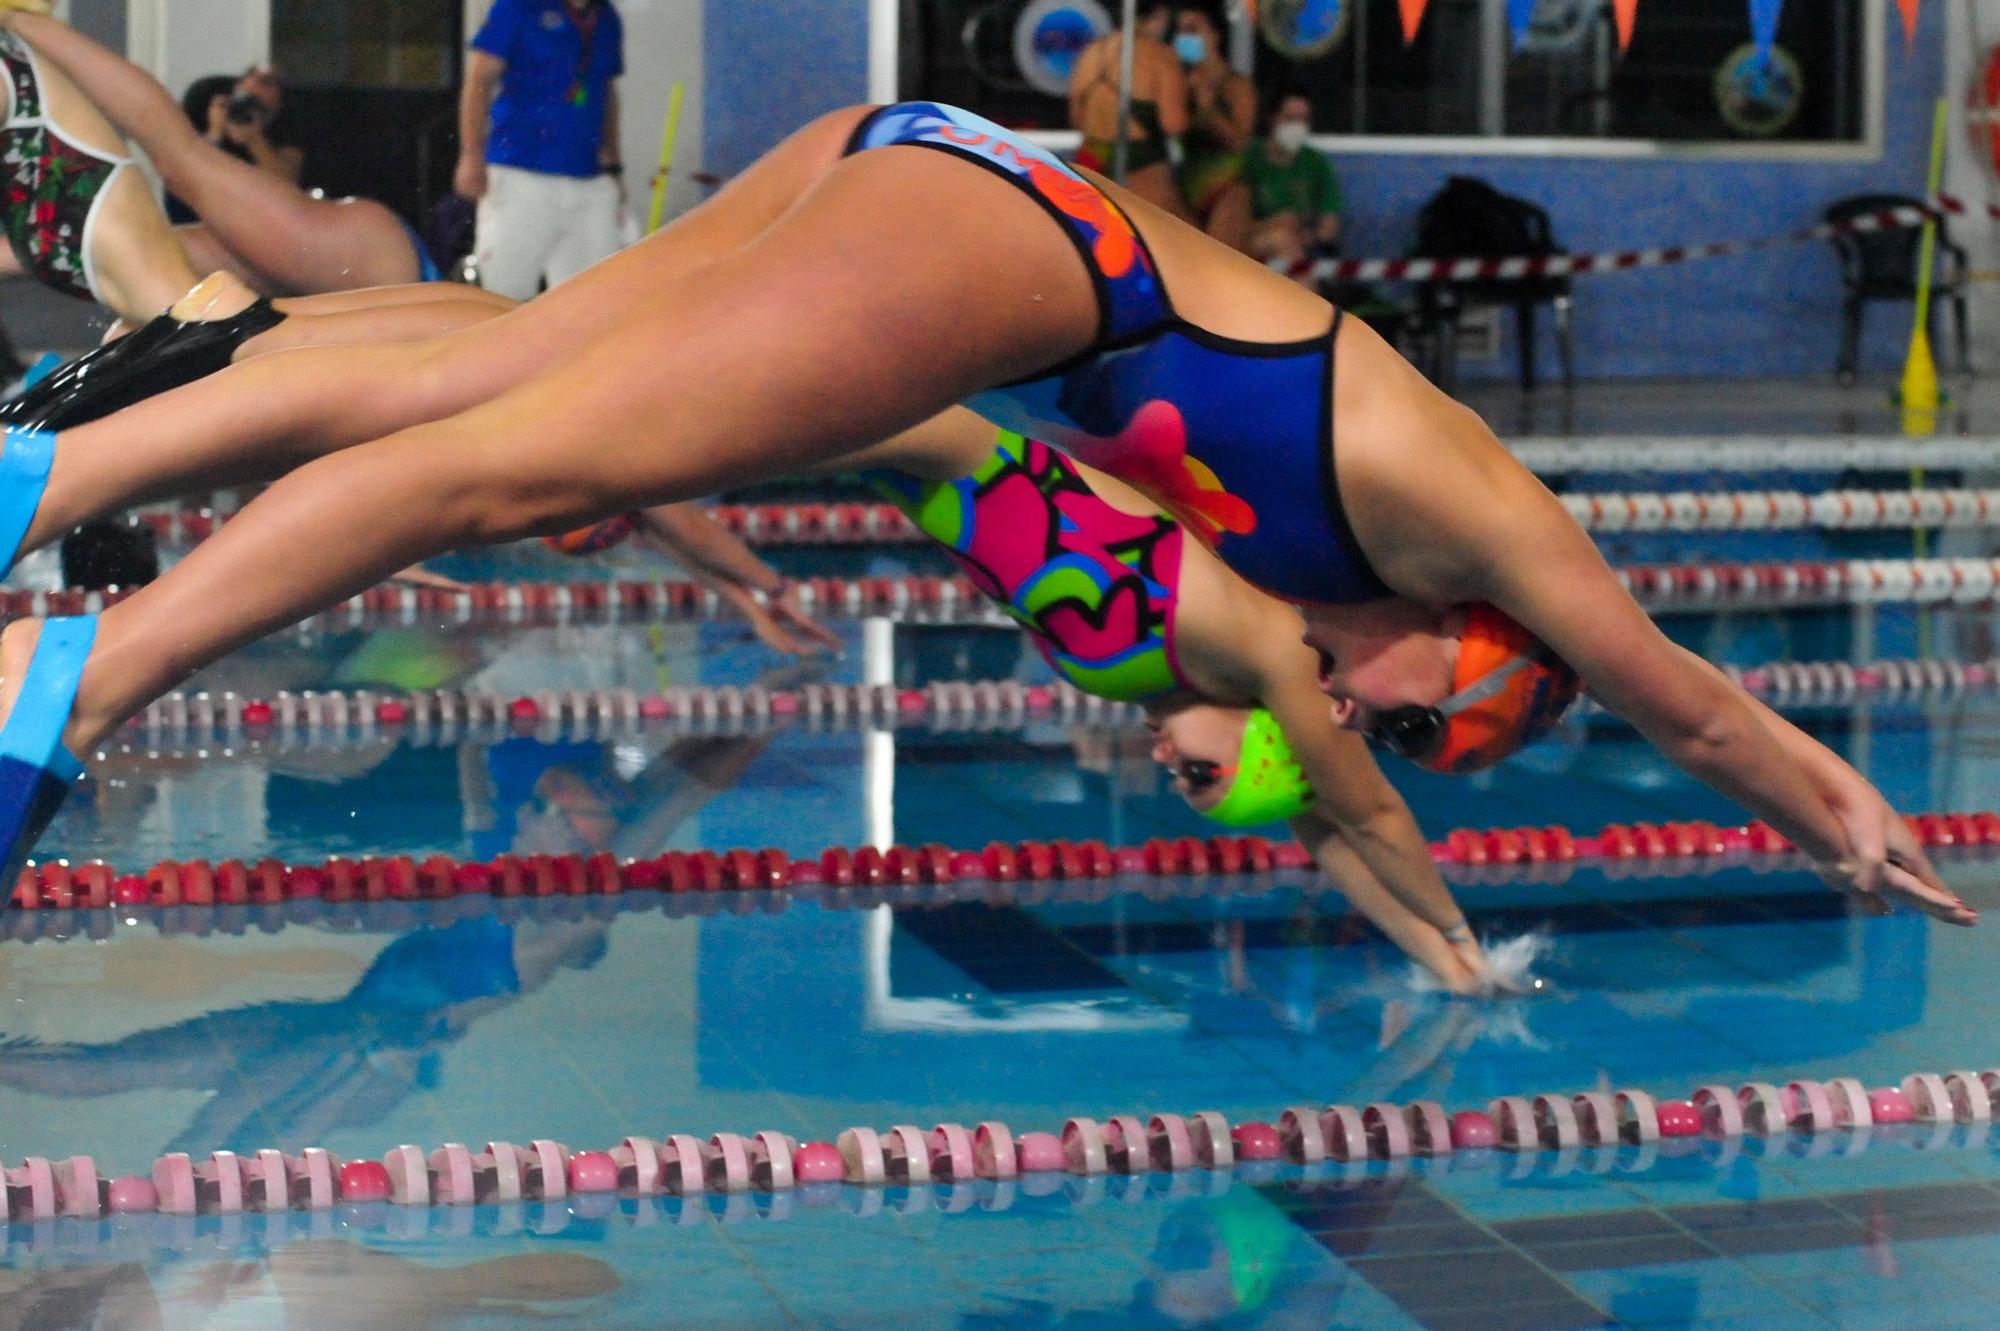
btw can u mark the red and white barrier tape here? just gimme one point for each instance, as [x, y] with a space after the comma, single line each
[987, 1153]
[329, 718]
[1518, 267]
[58, 885]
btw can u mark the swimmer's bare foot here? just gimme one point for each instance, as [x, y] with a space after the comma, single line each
[220, 295]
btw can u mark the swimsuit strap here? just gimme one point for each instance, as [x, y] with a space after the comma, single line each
[1131, 299]
[24, 106]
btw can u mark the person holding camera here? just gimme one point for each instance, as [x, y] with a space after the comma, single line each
[254, 222]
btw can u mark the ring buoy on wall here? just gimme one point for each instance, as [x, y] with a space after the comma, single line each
[1982, 111]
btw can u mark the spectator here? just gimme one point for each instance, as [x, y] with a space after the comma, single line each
[1159, 113]
[256, 116]
[1223, 107]
[237, 115]
[548, 177]
[1294, 194]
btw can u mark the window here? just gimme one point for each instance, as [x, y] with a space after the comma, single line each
[367, 43]
[1691, 79]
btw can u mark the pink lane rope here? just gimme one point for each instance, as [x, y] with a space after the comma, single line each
[997, 704]
[906, 1155]
[58, 885]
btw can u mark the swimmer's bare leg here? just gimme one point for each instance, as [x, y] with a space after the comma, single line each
[258, 419]
[715, 381]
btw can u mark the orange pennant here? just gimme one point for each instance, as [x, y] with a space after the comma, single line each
[1413, 18]
[1909, 12]
[1626, 12]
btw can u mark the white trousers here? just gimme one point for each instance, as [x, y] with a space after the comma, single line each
[534, 225]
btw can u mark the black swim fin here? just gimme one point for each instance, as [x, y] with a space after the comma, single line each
[165, 353]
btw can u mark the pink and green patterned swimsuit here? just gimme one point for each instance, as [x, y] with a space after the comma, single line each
[1096, 587]
[49, 197]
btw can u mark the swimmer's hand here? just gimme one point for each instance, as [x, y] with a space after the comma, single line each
[778, 619]
[1884, 861]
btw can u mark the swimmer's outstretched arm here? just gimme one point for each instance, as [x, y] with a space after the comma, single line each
[718, 558]
[1361, 832]
[1472, 524]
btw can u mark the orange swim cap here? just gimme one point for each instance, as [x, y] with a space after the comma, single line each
[594, 539]
[1508, 690]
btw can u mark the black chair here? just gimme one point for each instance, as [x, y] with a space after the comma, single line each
[1469, 219]
[1882, 265]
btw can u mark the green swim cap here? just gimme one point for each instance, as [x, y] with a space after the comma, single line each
[1270, 786]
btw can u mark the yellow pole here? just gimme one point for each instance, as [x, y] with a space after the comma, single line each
[658, 213]
[1919, 388]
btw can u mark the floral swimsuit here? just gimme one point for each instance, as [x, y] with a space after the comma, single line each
[1234, 438]
[52, 184]
[1095, 587]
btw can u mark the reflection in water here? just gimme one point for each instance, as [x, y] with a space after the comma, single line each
[326, 1284]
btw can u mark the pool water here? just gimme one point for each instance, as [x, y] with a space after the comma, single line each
[359, 1027]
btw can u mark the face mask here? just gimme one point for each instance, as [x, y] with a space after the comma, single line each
[1290, 135]
[1191, 47]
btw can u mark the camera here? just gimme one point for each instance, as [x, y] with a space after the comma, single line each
[245, 109]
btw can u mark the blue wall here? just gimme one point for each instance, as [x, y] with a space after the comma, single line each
[766, 73]
[1770, 313]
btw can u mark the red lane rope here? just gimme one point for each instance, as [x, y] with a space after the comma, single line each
[990, 1152]
[58, 885]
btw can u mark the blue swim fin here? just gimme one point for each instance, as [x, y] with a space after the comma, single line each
[25, 459]
[36, 771]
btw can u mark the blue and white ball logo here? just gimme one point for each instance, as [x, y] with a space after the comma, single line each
[1050, 35]
[1304, 29]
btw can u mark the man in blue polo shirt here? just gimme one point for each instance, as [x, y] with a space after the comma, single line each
[548, 176]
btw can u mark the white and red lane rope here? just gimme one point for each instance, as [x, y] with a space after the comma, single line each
[335, 717]
[955, 600]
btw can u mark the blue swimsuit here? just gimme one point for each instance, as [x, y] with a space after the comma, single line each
[1234, 438]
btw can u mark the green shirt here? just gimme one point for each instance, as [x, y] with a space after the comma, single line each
[1306, 185]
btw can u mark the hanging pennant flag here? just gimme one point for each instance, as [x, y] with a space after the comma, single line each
[1413, 18]
[1626, 12]
[1909, 11]
[1520, 16]
[1764, 26]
